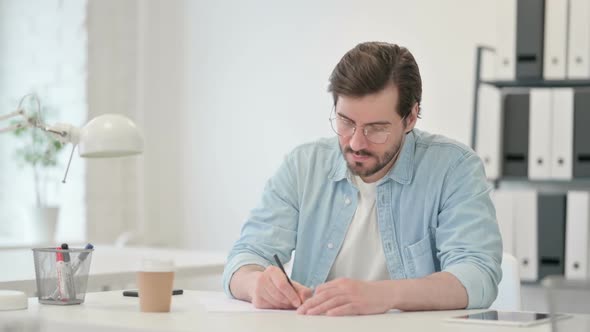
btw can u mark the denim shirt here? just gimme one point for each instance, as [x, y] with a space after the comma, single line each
[433, 208]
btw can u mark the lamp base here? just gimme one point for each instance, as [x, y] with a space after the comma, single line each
[13, 300]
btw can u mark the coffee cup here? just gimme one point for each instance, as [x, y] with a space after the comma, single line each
[155, 279]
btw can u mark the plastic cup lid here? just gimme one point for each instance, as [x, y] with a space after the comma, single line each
[156, 265]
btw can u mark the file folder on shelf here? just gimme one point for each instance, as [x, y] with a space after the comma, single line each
[554, 54]
[551, 209]
[505, 68]
[530, 18]
[489, 123]
[562, 143]
[581, 158]
[526, 233]
[515, 126]
[577, 250]
[578, 65]
[540, 134]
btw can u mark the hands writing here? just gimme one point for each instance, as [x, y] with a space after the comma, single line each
[346, 297]
[272, 290]
[269, 289]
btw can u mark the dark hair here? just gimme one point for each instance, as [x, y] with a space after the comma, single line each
[370, 67]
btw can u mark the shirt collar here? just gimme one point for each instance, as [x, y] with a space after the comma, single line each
[402, 171]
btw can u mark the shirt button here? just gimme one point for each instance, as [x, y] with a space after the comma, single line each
[347, 201]
[330, 245]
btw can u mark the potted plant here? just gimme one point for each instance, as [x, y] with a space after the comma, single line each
[39, 152]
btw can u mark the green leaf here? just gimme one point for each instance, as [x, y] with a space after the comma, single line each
[38, 149]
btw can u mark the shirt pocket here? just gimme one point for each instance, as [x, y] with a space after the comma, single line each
[419, 258]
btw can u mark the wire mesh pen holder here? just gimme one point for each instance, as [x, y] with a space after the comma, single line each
[61, 274]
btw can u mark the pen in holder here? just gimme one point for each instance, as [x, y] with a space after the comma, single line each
[62, 274]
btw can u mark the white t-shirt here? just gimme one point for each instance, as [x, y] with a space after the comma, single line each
[361, 256]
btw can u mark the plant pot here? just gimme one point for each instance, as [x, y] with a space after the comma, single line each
[44, 224]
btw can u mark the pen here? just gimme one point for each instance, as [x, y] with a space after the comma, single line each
[73, 268]
[61, 282]
[68, 272]
[66, 255]
[81, 258]
[283, 269]
[134, 293]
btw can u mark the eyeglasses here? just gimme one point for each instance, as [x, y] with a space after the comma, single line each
[375, 133]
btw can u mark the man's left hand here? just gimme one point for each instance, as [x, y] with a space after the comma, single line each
[342, 297]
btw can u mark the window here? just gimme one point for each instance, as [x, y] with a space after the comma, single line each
[43, 49]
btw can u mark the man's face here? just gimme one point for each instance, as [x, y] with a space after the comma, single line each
[376, 112]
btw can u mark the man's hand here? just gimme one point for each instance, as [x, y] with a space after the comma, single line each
[438, 291]
[346, 297]
[272, 291]
[267, 288]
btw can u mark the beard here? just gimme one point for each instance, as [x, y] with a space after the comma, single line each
[361, 168]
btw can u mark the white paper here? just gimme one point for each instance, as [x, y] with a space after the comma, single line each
[219, 302]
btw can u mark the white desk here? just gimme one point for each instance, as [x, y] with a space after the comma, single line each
[110, 266]
[113, 312]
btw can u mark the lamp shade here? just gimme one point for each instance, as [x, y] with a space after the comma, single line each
[109, 135]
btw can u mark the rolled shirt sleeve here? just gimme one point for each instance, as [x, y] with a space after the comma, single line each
[469, 244]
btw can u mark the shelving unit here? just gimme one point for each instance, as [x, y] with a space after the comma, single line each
[500, 84]
[544, 221]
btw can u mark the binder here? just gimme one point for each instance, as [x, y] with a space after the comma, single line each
[577, 250]
[488, 124]
[503, 202]
[551, 234]
[515, 125]
[554, 52]
[539, 167]
[530, 17]
[581, 133]
[562, 142]
[578, 65]
[505, 68]
[526, 233]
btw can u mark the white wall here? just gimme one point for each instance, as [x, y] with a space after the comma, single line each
[162, 69]
[226, 88]
[259, 71]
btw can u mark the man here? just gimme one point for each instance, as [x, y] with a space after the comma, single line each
[383, 216]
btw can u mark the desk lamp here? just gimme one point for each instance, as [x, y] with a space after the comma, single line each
[105, 136]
